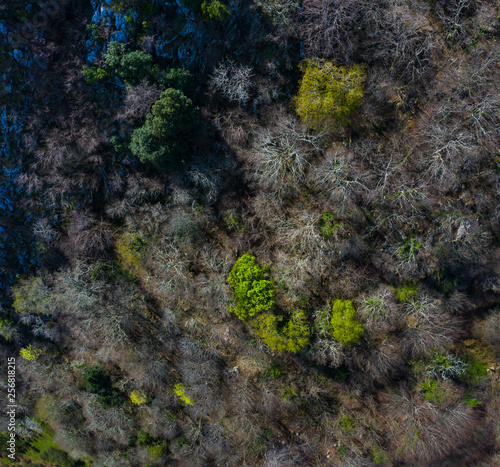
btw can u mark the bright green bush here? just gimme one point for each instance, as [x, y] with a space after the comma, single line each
[168, 128]
[345, 327]
[328, 94]
[214, 10]
[157, 450]
[253, 293]
[138, 397]
[283, 335]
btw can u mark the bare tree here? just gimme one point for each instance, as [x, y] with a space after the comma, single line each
[423, 433]
[429, 327]
[233, 81]
[284, 153]
[328, 28]
[138, 101]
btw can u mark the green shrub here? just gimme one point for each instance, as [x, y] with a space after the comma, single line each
[97, 382]
[273, 372]
[475, 370]
[7, 329]
[92, 74]
[31, 296]
[128, 66]
[379, 455]
[253, 293]
[157, 450]
[328, 94]
[59, 458]
[326, 224]
[471, 401]
[446, 366]
[167, 131]
[432, 391]
[176, 78]
[287, 394]
[214, 10]
[406, 292]
[345, 328]
[234, 221]
[180, 391]
[347, 423]
[144, 438]
[283, 335]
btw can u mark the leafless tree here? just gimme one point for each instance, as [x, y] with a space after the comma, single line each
[342, 180]
[284, 153]
[429, 327]
[232, 81]
[138, 101]
[399, 37]
[44, 231]
[421, 432]
[328, 28]
[87, 235]
[452, 16]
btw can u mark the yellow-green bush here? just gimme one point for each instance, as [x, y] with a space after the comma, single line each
[214, 10]
[345, 327]
[283, 335]
[128, 249]
[180, 390]
[28, 353]
[138, 397]
[328, 94]
[31, 296]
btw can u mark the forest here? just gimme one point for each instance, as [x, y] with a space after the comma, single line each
[259, 233]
